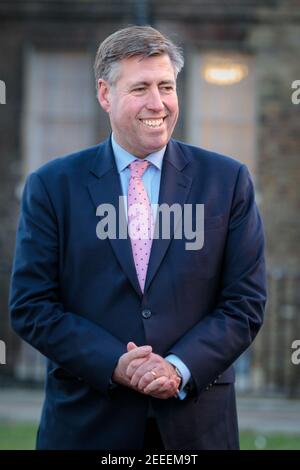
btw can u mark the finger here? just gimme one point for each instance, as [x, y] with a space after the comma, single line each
[158, 386]
[163, 395]
[144, 369]
[151, 363]
[148, 367]
[131, 345]
[149, 376]
[167, 386]
[137, 352]
[146, 379]
[155, 385]
[138, 374]
[134, 365]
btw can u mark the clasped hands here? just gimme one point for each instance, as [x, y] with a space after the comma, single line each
[146, 372]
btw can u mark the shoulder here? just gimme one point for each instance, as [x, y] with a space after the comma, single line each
[215, 169]
[64, 175]
[71, 164]
[207, 158]
[69, 170]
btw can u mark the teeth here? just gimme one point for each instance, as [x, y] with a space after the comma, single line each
[153, 122]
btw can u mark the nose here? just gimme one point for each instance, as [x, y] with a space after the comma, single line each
[154, 101]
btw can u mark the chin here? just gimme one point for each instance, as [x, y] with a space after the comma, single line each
[156, 148]
[157, 143]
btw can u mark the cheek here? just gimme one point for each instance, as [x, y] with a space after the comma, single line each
[119, 117]
[172, 105]
[128, 114]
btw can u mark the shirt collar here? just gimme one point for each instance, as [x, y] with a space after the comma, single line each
[124, 158]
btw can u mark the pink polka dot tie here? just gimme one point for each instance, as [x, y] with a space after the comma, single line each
[140, 219]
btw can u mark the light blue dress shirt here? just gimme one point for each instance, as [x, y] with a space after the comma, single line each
[151, 180]
[151, 177]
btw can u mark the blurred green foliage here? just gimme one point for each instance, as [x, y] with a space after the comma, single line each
[14, 436]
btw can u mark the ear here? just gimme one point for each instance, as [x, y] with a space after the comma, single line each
[103, 94]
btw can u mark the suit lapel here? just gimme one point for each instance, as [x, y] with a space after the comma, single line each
[174, 188]
[106, 189]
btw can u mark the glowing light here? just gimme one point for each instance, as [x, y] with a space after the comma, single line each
[224, 72]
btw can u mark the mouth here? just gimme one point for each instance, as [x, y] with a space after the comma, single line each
[153, 123]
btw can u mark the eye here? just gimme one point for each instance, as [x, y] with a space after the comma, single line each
[140, 89]
[167, 88]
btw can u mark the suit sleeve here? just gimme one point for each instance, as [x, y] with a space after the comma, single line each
[76, 344]
[213, 344]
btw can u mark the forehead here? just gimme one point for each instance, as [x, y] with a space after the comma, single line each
[151, 68]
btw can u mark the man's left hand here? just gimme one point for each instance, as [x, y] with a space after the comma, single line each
[155, 376]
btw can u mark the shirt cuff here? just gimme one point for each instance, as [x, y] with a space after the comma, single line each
[184, 371]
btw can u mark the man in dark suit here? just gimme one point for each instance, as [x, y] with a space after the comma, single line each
[140, 331]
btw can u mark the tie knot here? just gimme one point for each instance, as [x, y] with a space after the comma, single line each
[138, 168]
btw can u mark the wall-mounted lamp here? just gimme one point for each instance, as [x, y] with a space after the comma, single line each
[218, 71]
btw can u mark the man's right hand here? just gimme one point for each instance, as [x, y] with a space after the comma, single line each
[162, 387]
[154, 376]
[135, 353]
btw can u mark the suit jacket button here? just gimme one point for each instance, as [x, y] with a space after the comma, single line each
[146, 313]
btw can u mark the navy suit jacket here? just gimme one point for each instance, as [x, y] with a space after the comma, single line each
[76, 299]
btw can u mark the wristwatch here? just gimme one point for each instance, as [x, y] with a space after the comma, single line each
[179, 375]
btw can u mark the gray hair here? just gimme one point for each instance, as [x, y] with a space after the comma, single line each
[143, 41]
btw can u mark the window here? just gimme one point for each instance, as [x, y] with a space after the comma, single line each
[60, 106]
[221, 105]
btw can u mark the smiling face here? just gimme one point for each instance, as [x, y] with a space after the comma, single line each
[142, 104]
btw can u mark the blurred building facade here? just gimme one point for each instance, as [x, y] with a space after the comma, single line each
[235, 96]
